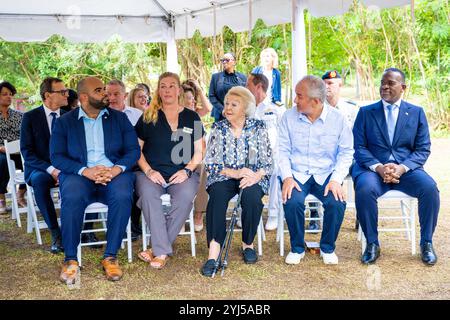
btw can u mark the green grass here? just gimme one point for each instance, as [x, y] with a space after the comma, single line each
[29, 271]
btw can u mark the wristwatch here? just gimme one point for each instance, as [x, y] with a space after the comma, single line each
[188, 172]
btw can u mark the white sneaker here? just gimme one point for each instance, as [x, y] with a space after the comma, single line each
[294, 258]
[272, 223]
[329, 258]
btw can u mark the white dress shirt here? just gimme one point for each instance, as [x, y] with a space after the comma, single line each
[133, 114]
[315, 149]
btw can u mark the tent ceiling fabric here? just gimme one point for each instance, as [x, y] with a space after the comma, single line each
[146, 21]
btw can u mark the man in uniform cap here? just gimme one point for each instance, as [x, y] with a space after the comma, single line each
[333, 82]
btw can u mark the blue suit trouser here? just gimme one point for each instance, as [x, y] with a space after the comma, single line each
[369, 186]
[42, 182]
[78, 192]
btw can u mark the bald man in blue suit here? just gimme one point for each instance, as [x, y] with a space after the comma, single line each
[95, 148]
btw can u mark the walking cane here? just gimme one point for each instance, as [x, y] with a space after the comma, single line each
[227, 243]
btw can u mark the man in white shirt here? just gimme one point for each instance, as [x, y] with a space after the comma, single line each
[271, 114]
[315, 154]
[35, 133]
[117, 95]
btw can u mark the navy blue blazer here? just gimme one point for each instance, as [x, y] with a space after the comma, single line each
[68, 150]
[35, 141]
[411, 143]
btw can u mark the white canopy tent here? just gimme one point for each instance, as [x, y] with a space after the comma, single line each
[165, 20]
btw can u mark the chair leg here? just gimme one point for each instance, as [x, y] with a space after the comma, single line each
[412, 214]
[259, 238]
[79, 253]
[129, 247]
[192, 232]
[406, 218]
[281, 229]
[144, 233]
[15, 207]
[32, 214]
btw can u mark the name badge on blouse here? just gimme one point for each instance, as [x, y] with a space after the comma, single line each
[187, 130]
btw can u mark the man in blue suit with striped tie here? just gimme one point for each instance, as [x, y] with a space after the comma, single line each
[392, 143]
[37, 126]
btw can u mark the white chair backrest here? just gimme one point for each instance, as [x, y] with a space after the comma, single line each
[12, 147]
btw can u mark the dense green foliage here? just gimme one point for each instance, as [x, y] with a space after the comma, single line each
[360, 44]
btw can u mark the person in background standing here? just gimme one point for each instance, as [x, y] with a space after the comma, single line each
[223, 81]
[268, 67]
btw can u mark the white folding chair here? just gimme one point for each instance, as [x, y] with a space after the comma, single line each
[102, 210]
[16, 177]
[408, 217]
[165, 201]
[308, 200]
[32, 219]
[261, 235]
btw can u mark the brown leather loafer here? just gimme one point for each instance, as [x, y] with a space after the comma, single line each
[112, 269]
[69, 272]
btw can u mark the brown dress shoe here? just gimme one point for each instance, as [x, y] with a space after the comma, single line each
[112, 269]
[69, 272]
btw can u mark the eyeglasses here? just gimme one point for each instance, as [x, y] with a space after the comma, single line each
[62, 92]
[225, 60]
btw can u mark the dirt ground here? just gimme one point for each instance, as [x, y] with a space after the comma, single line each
[28, 271]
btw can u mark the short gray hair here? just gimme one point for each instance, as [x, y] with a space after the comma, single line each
[116, 82]
[316, 87]
[247, 97]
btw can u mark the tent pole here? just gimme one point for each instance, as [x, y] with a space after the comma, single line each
[172, 54]
[299, 67]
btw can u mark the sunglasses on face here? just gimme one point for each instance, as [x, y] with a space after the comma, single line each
[225, 60]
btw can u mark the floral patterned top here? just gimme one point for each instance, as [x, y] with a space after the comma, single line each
[226, 151]
[10, 127]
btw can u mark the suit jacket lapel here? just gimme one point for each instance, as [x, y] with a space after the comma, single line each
[403, 117]
[81, 135]
[380, 119]
[44, 124]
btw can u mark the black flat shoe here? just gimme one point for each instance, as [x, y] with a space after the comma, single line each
[208, 268]
[250, 256]
[428, 255]
[371, 254]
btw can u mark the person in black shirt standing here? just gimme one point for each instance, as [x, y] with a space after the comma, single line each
[223, 81]
[172, 144]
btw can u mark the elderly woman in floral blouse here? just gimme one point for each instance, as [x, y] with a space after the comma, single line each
[231, 142]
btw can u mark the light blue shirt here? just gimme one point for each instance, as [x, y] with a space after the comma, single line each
[95, 142]
[315, 149]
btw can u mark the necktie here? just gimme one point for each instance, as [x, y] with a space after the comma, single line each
[53, 114]
[391, 122]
